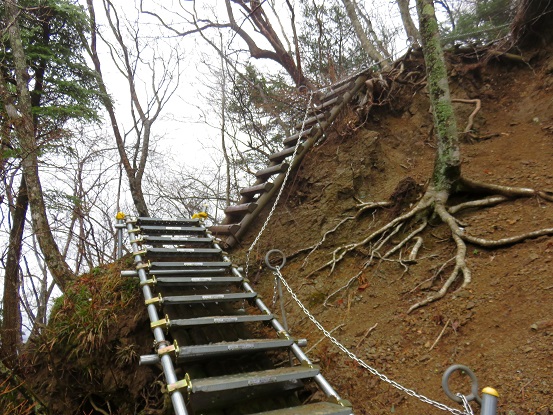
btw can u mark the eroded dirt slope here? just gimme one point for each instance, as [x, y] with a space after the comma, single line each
[501, 325]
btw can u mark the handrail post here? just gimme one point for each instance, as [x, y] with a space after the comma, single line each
[119, 225]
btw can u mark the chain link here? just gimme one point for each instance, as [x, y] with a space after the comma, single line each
[352, 356]
[258, 237]
[466, 404]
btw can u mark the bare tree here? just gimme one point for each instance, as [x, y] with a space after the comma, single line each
[381, 57]
[410, 29]
[165, 75]
[254, 16]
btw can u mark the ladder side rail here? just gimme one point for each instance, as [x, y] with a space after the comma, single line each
[166, 361]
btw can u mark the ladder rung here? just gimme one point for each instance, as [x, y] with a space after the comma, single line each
[167, 221]
[326, 104]
[206, 321]
[175, 240]
[187, 353]
[193, 271]
[177, 281]
[166, 230]
[207, 298]
[281, 155]
[187, 265]
[319, 408]
[312, 120]
[184, 251]
[270, 171]
[243, 208]
[291, 141]
[242, 380]
[225, 229]
[257, 189]
[338, 91]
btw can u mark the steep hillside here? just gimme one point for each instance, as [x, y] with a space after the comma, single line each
[501, 326]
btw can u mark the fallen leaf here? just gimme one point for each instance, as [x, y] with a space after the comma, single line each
[363, 286]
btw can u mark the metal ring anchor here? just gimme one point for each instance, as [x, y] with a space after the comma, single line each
[268, 259]
[474, 387]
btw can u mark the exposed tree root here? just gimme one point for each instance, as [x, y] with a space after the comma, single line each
[470, 121]
[433, 204]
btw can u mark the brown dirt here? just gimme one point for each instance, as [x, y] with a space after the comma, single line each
[495, 326]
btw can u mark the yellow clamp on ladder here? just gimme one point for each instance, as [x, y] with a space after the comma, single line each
[200, 215]
[120, 216]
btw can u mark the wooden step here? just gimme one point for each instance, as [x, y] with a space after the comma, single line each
[241, 209]
[293, 139]
[281, 155]
[338, 91]
[316, 119]
[271, 171]
[257, 189]
[224, 229]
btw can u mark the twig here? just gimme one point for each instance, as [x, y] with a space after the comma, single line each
[324, 337]
[440, 335]
[365, 335]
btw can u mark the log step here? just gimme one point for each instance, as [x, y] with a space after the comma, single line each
[293, 139]
[270, 171]
[243, 208]
[257, 189]
[338, 91]
[281, 155]
[312, 120]
[224, 229]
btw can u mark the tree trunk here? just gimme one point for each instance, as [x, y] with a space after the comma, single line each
[135, 183]
[410, 29]
[447, 166]
[24, 128]
[362, 36]
[10, 335]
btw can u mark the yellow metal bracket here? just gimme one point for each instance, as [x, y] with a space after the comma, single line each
[181, 384]
[144, 265]
[120, 216]
[169, 349]
[150, 282]
[163, 323]
[156, 300]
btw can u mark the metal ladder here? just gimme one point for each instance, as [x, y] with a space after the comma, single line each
[216, 356]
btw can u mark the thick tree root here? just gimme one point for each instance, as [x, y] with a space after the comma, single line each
[433, 204]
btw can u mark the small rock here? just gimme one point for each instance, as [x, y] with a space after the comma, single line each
[470, 305]
[527, 349]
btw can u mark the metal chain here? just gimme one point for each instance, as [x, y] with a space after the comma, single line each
[352, 356]
[256, 240]
[466, 404]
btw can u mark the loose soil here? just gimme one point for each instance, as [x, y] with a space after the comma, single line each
[501, 325]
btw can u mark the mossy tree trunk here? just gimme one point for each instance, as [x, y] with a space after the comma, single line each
[24, 126]
[447, 166]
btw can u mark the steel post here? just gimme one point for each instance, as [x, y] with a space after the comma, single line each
[489, 401]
